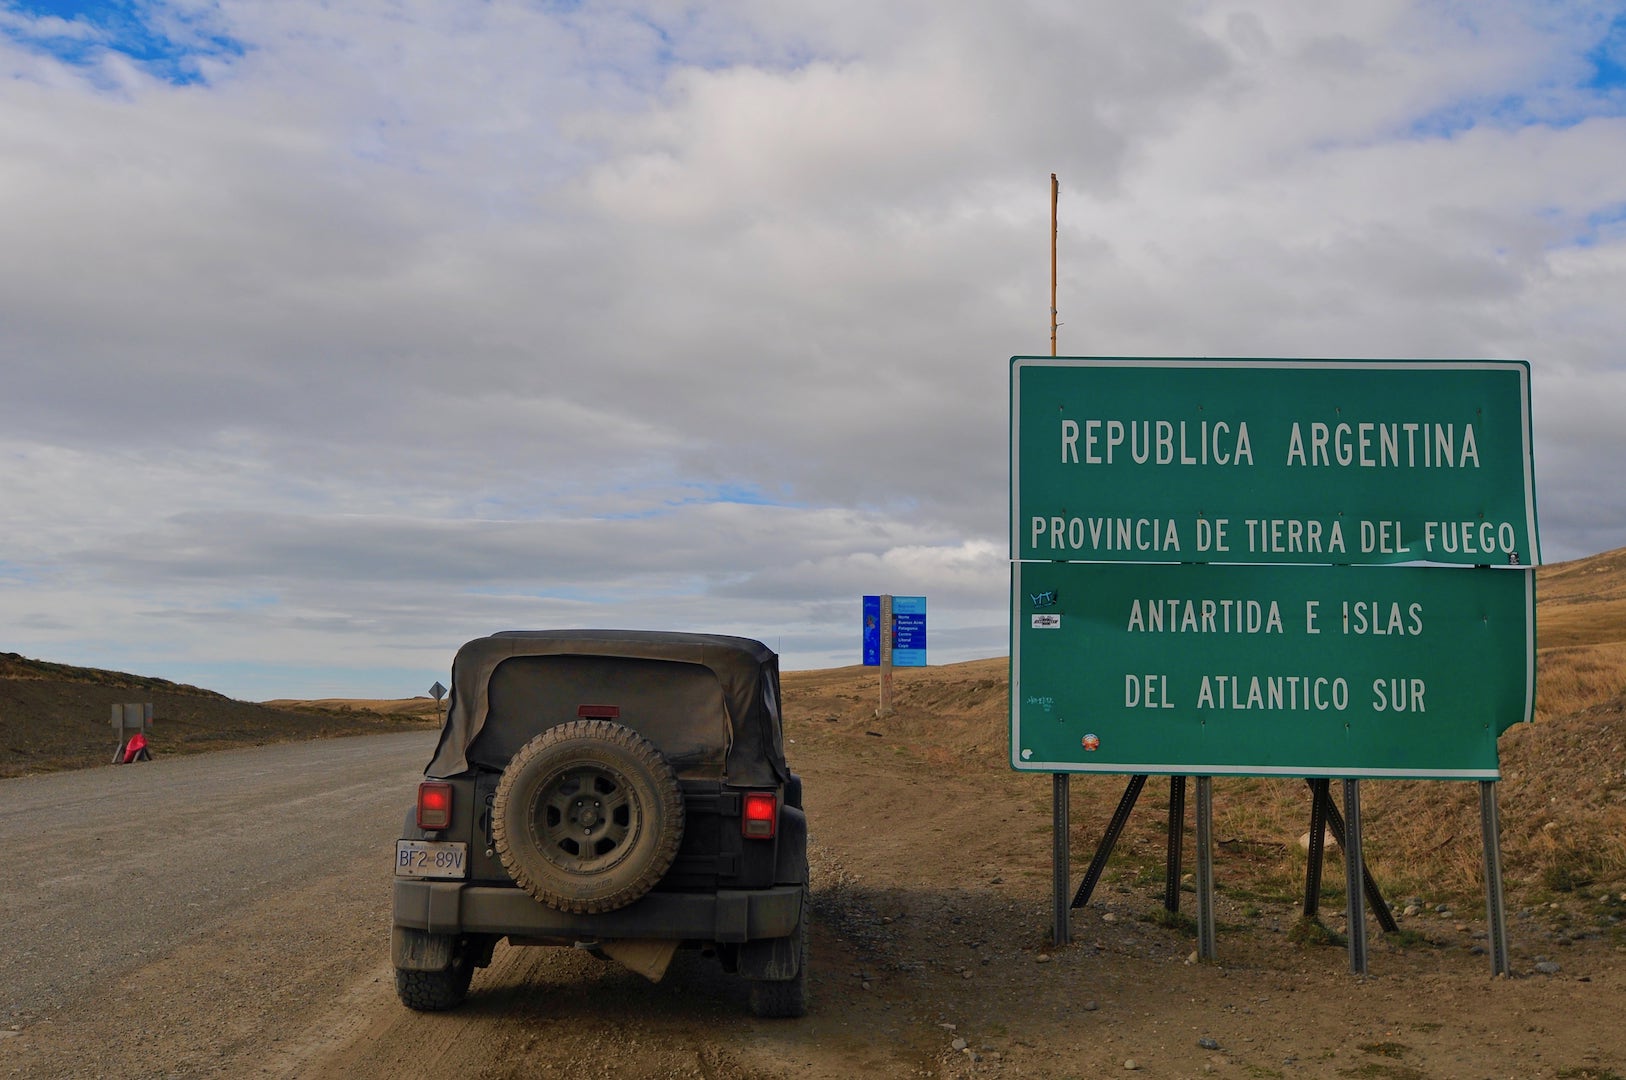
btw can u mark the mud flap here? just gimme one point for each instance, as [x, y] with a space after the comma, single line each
[774, 959]
[418, 950]
[649, 957]
[791, 857]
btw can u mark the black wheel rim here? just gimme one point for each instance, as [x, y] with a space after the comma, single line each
[585, 818]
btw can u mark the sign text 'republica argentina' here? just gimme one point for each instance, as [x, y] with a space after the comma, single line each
[1272, 461]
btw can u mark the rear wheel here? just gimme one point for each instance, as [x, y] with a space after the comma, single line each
[435, 991]
[588, 816]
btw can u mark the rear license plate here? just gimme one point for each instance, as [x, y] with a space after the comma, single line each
[431, 859]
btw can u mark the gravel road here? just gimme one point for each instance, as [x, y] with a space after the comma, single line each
[123, 866]
[227, 916]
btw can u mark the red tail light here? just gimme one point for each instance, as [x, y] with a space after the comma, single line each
[434, 806]
[761, 815]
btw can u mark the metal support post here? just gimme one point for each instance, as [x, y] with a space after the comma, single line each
[1205, 868]
[1177, 836]
[1495, 913]
[1320, 800]
[1114, 828]
[1061, 871]
[1374, 896]
[1354, 867]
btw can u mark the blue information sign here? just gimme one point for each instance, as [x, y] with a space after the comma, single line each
[908, 631]
[871, 640]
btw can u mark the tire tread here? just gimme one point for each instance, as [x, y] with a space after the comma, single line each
[434, 991]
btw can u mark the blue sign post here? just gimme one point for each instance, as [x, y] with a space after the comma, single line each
[908, 630]
[894, 635]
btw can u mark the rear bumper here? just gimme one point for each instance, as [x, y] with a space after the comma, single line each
[731, 916]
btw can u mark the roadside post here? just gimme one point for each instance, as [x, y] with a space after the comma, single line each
[136, 718]
[1060, 782]
[1271, 567]
[886, 657]
[1354, 867]
[1491, 829]
[1324, 818]
[1205, 868]
[876, 644]
[437, 692]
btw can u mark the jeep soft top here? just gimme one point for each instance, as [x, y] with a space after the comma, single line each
[721, 721]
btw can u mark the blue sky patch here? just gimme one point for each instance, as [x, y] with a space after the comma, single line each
[744, 494]
[10, 571]
[165, 39]
[1608, 59]
[1602, 92]
[1603, 226]
[1506, 112]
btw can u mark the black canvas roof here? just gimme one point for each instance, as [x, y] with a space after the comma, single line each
[741, 735]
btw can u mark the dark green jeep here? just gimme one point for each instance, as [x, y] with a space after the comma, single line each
[616, 790]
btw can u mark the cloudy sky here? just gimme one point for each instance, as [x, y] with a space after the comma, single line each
[334, 334]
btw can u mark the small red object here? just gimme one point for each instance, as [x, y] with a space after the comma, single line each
[135, 748]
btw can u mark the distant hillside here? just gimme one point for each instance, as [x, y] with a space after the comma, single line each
[1582, 602]
[1580, 634]
[21, 668]
[53, 716]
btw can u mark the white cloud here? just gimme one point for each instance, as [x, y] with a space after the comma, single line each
[407, 321]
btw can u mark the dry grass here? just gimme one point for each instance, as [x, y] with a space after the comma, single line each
[1572, 677]
[1583, 604]
[1581, 631]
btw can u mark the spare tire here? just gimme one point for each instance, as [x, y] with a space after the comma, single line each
[588, 816]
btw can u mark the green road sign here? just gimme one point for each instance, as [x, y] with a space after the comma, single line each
[1272, 461]
[1346, 671]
